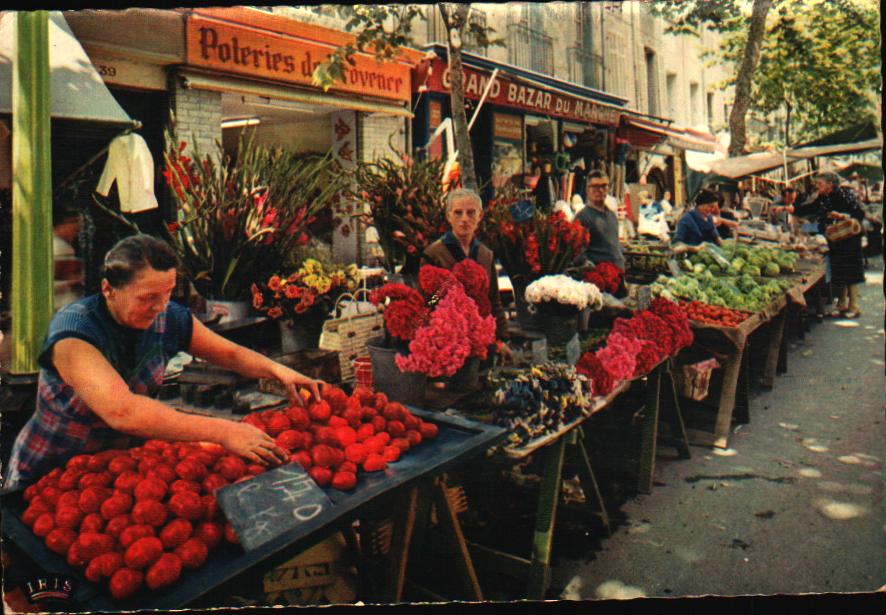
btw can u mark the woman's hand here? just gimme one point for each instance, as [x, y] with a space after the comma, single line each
[292, 379]
[252, 443]
[835, 215]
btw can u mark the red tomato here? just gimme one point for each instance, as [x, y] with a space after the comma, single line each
[93, 522]
[193, 553]
[127, 481]
[413, 436]
[125, 582]
[290, 439]
[213, 482]
[356, 453]
[344, 481]
[92, 498]
[149, 512]
[337, 421]
[345, 436]
[428, 430]
[93, 544]
[60, 539]
[104, 566]
[150, 489]
[187, 505]
[211, 508]
[68, 517]
[44, 524]
[321, 475]
[391, 453]
[121, 464]
[231, 467]
[116, 525]
[396, 429]
[210, 533]
[176, 533]
[190, 469]
[184, 485]
[374, 463]
[320, 411]
[134, 532]
[143, 552]
[230, 535]
[298, 417]
[162, 472]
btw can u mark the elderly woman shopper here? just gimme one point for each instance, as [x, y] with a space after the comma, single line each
[464, 211]
[836, 203]
[104, 357]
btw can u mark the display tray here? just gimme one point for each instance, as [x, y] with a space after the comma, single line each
[458, 439]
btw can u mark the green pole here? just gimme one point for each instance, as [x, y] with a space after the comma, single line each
[32, 273]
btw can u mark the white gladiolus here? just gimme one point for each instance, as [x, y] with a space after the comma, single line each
[564, 290]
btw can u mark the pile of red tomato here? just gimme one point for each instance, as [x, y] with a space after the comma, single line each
[145, 515]
[714, 315]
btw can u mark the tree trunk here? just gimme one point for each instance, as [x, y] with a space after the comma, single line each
[455, 17]
[787, 123]
[737, 117]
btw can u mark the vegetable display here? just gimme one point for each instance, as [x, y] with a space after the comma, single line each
[714, 315]
[146, 515]
[738, 293]
[750, 260]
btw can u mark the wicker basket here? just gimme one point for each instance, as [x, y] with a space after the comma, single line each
[348, 335]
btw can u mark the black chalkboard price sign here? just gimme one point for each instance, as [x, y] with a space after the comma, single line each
[273, 503]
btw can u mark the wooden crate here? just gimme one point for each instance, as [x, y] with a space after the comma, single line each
[319, 575]
[316, 363]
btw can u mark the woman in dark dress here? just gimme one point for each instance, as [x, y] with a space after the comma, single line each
[847, 262]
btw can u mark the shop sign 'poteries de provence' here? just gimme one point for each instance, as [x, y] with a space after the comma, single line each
[508, 92]
[240, 49]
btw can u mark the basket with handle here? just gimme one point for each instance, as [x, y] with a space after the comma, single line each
[348, 334]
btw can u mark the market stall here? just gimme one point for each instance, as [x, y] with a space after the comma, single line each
[272, 513]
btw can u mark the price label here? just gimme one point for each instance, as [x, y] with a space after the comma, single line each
[644, 297]
[273, 503]
[573, 350]
[521, 211]
[674, 267]
[539, 351]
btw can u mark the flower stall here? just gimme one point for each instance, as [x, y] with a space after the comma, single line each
[303, 300]
[243, 213]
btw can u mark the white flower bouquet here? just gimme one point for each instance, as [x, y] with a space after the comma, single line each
[561, 290]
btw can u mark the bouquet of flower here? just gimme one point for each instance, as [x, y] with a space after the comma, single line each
[541, 245]
[309, 292]
[561, 290]
[406, 204]
[236, 213]
[605, 276]
[541, 401]
[443, 324]
[636, 345]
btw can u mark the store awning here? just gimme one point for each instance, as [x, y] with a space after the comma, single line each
[646, 133]
[760, 162]
[218, 83]
[77, 90]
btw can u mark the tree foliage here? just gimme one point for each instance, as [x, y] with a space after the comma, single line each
[819, 59]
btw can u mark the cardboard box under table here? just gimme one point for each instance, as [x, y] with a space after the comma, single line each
[458, 441]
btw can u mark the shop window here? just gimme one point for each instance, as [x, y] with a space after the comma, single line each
[710, 107]
[541, 142]
[694, 104]
[671, 89]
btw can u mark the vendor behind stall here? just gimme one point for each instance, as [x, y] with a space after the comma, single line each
[105, 355]
[697, 225]
[464, 211]
[601, 222]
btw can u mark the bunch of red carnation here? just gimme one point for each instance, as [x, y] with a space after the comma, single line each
[605, 276]
[447, 324]
[404, 310]
[637, 344]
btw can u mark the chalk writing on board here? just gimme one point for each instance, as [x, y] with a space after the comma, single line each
[271, 504]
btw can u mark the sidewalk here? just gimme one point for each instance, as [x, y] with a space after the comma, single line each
[796, 504]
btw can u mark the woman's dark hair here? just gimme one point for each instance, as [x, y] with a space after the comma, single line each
[706, 196]
[132, 254]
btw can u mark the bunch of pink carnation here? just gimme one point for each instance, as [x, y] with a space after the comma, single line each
[454, 332]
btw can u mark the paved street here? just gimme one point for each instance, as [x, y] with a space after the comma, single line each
[796, 504]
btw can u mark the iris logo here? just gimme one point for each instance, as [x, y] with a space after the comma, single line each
[51, 587]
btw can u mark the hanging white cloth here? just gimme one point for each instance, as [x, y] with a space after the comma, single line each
[129, 164]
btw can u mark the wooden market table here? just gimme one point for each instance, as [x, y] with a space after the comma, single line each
[569, 440]
[458, 440]
[730, 343]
